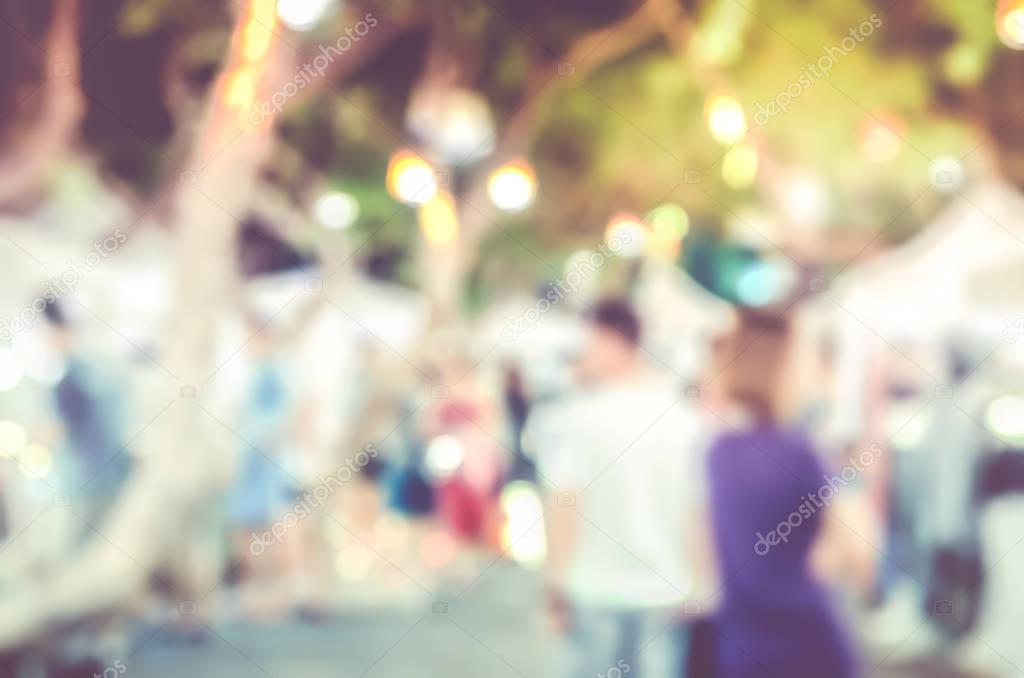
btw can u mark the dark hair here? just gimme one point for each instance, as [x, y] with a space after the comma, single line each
[752, 361]
[54, 313]
[618, 316]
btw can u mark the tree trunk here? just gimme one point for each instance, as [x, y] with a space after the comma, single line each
[154, 520]
[24, 169]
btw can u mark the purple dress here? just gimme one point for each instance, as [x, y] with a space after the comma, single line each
[775, 620]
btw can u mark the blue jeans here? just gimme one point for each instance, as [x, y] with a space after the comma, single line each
[617, 643]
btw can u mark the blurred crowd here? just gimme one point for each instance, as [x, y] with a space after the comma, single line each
[712, 524]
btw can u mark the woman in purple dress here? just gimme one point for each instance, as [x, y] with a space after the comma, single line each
[767, 503]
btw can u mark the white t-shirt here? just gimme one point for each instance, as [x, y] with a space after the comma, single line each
[631, 456]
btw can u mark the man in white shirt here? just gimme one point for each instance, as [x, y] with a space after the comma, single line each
[626, 477]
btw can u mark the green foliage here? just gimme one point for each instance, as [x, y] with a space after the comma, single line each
[624, 136]
[639, 123]
[140, 17]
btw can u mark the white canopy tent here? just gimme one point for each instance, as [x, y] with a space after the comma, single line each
[959, 280]
[963, 273]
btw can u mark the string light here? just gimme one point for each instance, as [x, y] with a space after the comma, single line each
[455, 125]
[1010, 23]
[336, 210]
[513, 186]
[411, 179]
[302, 15]
[726, 119]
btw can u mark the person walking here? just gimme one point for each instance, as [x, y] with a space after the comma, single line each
[624, 474]
[768, 501]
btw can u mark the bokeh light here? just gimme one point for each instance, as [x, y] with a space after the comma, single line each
[411, 179]
[1010, 24]
[627, 234]
[240, 88]
[444, 456]
[439, 220]
[739, 167]
[805, 197]
[964, 63]
[880, 137]
[766, 282]
[455, 125]
[719, 44]
[12, 438]
[668, 224]
[728, 197]
[522, 535]
[513, 186]
[336, 210]
[1005, 417]
[259, 28]
[302, 15]
[726, 119]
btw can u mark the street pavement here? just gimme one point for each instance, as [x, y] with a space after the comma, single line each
[492, 626]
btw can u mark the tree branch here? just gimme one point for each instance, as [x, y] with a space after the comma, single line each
[24, 170]
[586, 55]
